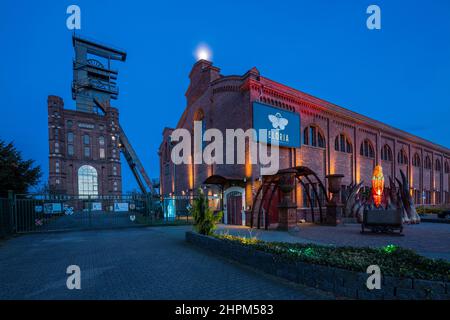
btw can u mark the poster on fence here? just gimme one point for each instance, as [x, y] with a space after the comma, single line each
[121, 206]
[96, 206]
[52, 208]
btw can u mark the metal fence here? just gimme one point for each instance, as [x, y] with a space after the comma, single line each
[46, 212]
[179, 206]
[6, 218]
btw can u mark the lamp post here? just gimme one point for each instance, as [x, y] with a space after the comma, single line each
[334, 206]
[287, 210]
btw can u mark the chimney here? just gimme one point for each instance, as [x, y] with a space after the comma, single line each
[202, 74]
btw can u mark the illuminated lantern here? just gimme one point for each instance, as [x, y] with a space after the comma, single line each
[377, 185]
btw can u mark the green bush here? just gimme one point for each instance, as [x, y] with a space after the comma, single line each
[392, 260]
[204, 218]
[430, 210]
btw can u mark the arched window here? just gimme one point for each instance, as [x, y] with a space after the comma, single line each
[343, 144]
[438, 166]
[87, 181]
[427, 163]
[101, 150]
[313, 137]
[366, 149]
[416, 160]
[446, 167]
[386, 153]
[86, 139]
[402, 157]
[70, 137]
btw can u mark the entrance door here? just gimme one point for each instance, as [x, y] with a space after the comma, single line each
[271, 211]
[234, 208]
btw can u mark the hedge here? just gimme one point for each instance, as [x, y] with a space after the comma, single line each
[394, 261]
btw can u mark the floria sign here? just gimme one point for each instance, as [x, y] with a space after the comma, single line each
[283, 127]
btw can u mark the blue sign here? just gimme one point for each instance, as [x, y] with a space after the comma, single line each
[283, 127]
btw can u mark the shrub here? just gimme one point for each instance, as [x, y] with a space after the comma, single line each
[204, 218]
[429, 210]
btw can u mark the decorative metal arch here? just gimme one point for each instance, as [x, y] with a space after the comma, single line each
[272, 183]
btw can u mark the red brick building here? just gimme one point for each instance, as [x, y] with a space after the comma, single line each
[333, 140]
[84, 154]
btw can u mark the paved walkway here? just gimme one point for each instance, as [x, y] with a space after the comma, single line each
[428, 239]
[136, 263]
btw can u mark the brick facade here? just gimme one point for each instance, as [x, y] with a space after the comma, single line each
[226, 102]
[64, 164]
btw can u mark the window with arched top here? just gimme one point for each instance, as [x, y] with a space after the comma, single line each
[438, 166]
[427, 163]
[416, 160]
[366, 149]
[343, 144]
[402, 157]
[386, 153]
[87, 181]
[86, 139]
[446, 167]
[312, 136]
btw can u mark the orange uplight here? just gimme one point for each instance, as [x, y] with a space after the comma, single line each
[191, 173]
[377, 185]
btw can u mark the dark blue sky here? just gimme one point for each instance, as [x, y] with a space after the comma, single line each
[399, 75]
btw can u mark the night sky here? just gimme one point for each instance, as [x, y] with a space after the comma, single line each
[399, 75]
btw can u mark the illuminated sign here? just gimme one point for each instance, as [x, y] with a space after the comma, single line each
[283, 127]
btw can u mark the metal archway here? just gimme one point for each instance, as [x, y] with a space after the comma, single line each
[272, 183]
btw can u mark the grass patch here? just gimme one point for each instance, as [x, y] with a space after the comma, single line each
[393, 260]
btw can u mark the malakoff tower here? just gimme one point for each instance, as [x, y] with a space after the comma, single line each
[327, 139]
[85, 143]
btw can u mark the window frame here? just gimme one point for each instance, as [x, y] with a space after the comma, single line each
[313, 137]
[367, 150]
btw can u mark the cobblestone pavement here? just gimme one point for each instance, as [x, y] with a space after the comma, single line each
[136, 263]
[428, 239]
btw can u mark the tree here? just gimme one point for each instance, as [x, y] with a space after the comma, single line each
[204, 218]
[16, 174]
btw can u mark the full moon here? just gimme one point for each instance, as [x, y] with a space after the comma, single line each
[203, 52]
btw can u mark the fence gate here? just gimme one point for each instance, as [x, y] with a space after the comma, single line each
[40, 213]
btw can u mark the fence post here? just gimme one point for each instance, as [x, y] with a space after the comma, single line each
[148, 205]
[3, 222]
[12, 212]
[89, 210]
